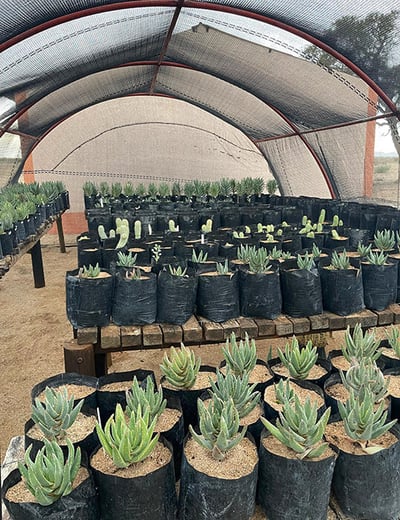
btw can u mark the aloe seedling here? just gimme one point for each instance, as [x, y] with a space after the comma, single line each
[181, 367]
[305, 262]
[135, 274]
[393, 336]
[89, 271]
[223, 268]
[340, 260]
[376, 258]
[128, 442]
[240, 358]
[275, 254]
[358, 345]
[147, 398]
[177, 271]
[316, 251]
[385, 240]
[365, 374]
[298, 361]
[56, 413]
[259, 261]
[298, 428]
[244, 252]
[200, 257]
[283, 391]
[238, 389]
[363, 250]
[126, 260]
[48, 477]
[129, 189]
[219, 427]
[363, 422]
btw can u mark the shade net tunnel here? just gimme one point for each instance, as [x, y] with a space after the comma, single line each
[94, 89]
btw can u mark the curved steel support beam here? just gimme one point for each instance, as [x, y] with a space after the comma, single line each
[221, 8]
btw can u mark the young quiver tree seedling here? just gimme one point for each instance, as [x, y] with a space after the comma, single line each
[236, 388]
[56, 413]
[49, 477]
[298, 428]
[219, 427]
[240, 357]
[130, 441]
[181, 367]
[363, 421]
[145, 397]
[298, 361]
[283, 391]
[365, 375]
[89, 271]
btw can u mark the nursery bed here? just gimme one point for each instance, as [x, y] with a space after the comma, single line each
[94, 343]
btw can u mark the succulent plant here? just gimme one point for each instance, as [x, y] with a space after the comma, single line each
[305, 262]
[176, 189]
[156, 252]
[219, 427]
[376, 258]
[259, 261]
[365, 374]
[272, 186]
[283, 391]
[89, 271]
[244, 252]
[128, 442]
[224, 187]
[164, 190]
[299, 428]
[56, 413]
[340, 260]
[213, 190]
[363, 422]
[135, 274]
[258, 185]
[141, 189]
[137, 229]
[275, 253]
[385, 240]
[48, 477]
[172, 227]
[240, 358]
[223, 268]
[200, 257]
[152, 190]
[147, 398]
[393, 336]
[298, 361]
[181, 367]
[89, 188]
[126, 259]
[116, 189]
[358, 345]
[363, 250]
[129, 189]
[177, 271]
[188, 189]
[316, 251]
[238, 389]
[207, 227]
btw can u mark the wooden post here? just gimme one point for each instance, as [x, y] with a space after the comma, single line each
[60, 231]
[79, 358]
[37, 265]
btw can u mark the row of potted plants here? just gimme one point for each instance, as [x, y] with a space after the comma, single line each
[290, 464]
[259, 283]
[116, 194]
[191, 212]
[24, 208]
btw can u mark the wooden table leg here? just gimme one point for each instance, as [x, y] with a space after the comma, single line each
[37, 265]
[60, 234]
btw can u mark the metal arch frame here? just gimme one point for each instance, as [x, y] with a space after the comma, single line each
[330, 183]
[179, 4]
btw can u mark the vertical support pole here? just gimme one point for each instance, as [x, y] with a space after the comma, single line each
[60, 234]
[37, 265]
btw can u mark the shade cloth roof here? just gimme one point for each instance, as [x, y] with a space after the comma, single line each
[248, 62]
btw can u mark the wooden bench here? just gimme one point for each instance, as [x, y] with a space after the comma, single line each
[88, 352]
[33, 247]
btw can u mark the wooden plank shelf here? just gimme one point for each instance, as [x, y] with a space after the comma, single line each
[32, 246]
[198, 330]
